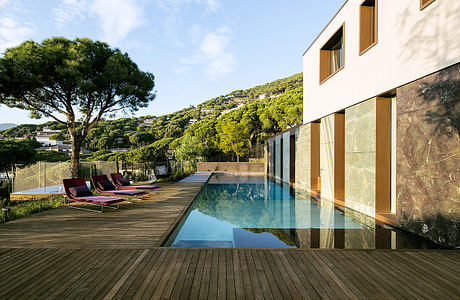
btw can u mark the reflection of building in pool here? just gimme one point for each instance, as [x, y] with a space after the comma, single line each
[380, 133]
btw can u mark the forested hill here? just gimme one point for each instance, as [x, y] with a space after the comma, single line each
[231, 122]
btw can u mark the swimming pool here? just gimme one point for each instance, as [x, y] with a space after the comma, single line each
[251, 211]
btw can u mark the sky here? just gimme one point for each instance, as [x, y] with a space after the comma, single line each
[197, 49]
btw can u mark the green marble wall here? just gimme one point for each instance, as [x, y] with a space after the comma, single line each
[302, 158]
[326, 149]
[360, 157]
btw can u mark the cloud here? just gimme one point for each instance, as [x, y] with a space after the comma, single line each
[69, 11]
[214, 54]
[3, 3]
[116, 18]
[13, 32]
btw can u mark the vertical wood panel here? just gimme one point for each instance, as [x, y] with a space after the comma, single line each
[292, 159]
[339, 156]
[314, 163]
[383, 156]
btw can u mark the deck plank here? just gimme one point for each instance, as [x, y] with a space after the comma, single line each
[116, 255]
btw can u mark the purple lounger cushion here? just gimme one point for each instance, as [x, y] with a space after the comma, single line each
[125, 192]
[103, 200]
[80, 191]
[139, 187]
[122, 181]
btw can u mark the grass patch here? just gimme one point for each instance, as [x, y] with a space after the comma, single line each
[21, 209]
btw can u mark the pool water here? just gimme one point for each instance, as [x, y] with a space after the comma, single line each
[249, 211]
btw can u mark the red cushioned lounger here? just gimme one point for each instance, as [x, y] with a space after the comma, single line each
[79, 184]
[103, 186]
[120, 182]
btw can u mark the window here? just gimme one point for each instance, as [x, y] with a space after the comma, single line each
[332, 55]
[367, 25]
[425, 3]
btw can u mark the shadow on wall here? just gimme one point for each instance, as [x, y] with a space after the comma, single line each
[442, 92]
[431, 37]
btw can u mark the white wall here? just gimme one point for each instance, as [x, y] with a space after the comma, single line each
[411, 44]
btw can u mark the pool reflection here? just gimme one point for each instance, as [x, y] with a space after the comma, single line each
[230, 212]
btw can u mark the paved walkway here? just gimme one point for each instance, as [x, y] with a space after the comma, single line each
[72, 254]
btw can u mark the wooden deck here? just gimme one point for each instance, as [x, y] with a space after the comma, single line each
[138, 225]
[173, 273]
[72, 254]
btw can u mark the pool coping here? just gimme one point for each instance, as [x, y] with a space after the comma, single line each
[169, 232]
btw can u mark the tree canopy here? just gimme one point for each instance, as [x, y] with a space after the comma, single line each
[75, 82]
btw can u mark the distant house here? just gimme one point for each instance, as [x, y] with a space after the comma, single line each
[66, 148]
[43, 137]
[192, 121]
[206, 111]
[147, 122]
[263, 96]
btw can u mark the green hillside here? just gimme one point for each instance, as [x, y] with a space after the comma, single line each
[228, 123]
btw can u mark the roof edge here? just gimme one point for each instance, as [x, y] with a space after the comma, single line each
[335, 15]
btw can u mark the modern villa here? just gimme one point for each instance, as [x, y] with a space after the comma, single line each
[381, 133]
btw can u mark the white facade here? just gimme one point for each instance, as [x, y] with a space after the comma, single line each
[412, 43]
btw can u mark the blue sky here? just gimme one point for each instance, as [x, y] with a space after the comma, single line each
[197, 49]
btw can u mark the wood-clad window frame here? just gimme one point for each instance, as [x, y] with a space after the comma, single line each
[425, 3]
[324, 57]
[365, 25]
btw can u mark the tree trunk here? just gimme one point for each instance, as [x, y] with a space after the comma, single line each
[75, 158]
[237, 158]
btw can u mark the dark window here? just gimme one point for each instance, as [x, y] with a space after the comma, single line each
[425, 3]
[332, 55]
[367, 25]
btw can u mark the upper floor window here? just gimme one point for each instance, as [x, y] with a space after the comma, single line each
[332, 55]
[367, 25]
[425, 3]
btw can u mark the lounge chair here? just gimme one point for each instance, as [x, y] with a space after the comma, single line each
[76, 190]
[103, 186]
[124, 184]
